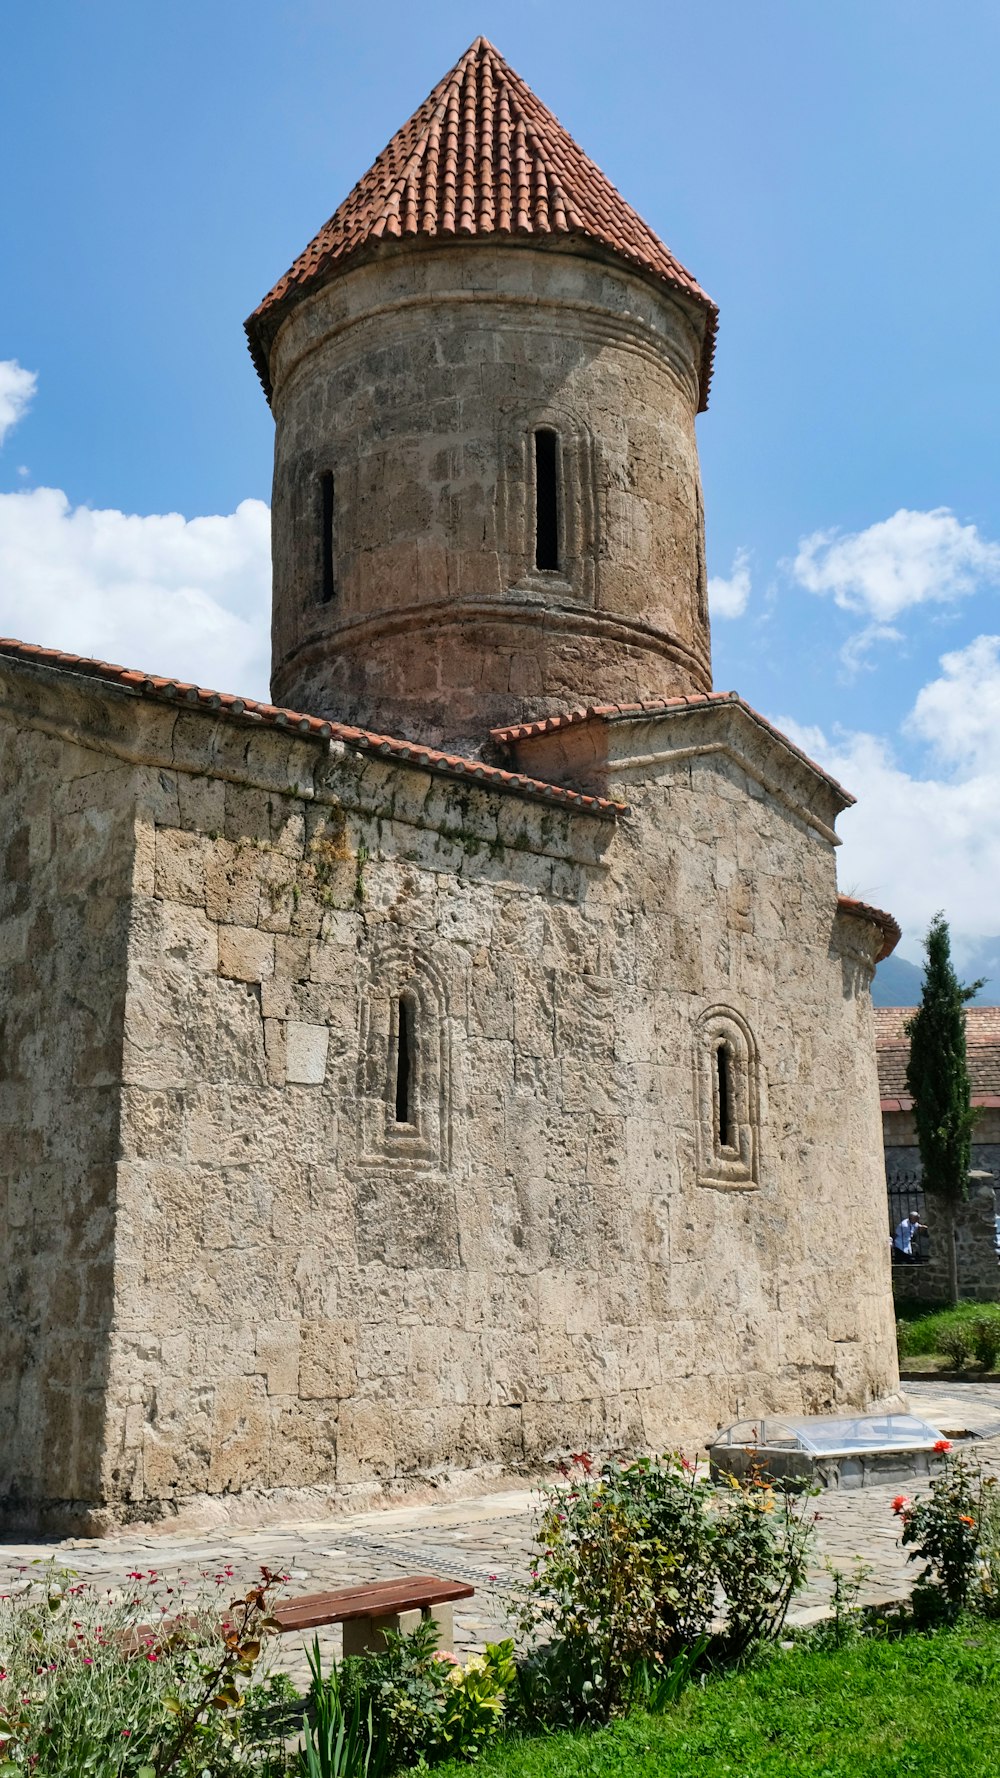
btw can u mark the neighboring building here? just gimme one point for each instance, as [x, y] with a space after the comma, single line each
[976, 1227]
[482, 1063]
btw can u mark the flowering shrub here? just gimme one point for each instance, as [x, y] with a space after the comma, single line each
[635, 1562]
[133, 1685]
[761, 1550]
[423, 1704]
[945, 1530]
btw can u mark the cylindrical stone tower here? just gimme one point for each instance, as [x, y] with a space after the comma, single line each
[484, 373]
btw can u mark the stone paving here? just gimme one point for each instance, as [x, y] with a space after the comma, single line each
[487, 1541]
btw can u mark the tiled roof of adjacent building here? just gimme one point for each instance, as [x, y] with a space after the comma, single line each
[250, 711]
[481, 157]
[982, 1037]
[545, 725]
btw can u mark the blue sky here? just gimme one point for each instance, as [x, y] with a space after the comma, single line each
[828, 172]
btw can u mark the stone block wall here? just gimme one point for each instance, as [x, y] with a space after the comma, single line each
[66, 837]
[320, 1300]
[975, 1227]
[316, 1301]
[416, 382]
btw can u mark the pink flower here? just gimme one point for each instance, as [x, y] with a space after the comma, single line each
[943, 1444]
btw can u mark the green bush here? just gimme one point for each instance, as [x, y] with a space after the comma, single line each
[632, 1561]
[414, 1704]
[956, 1344]
[944, 1529]
[984, 1336]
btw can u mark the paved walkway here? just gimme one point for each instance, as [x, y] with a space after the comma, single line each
[487, 1541]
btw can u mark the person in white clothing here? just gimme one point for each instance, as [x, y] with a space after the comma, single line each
[902, 1240]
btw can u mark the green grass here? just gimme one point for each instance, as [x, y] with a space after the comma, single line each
[920, 1707]
[923, 1329]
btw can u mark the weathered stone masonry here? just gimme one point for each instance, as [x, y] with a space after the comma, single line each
[371, 1114]
[282, 1299]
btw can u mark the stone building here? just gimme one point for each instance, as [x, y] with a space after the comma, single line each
[460, 1058]
[975, 1223]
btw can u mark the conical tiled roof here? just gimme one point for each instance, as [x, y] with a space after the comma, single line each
[481, 157]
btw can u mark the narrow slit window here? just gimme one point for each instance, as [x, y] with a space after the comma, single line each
[404, 1061]
[328, 572]
[546, 499]
[725, 1097]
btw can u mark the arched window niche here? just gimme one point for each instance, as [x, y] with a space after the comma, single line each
[404, 1061]
[548, 500]
[728, 1090]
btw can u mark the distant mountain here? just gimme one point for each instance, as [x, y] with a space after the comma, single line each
[898, 983]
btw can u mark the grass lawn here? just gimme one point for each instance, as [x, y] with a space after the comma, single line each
[931, 1340]
[921, 1707]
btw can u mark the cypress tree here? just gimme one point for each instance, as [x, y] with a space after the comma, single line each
[937, 1076]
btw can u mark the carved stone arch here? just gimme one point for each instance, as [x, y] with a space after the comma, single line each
[728, 1099]
[399, 972]
[579, 500]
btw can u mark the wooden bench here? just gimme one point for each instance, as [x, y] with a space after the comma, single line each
[368, 1610]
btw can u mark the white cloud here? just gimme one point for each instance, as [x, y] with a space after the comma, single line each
[857, 649]
[958, 715]
[17, 386]
[915, 843]
[728, 598]
[912, 558]
[183, 597]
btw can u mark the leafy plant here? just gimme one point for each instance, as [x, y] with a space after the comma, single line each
[657, 1684]
[632, 1559]
[623, 1574]
[412, 1704]
[845, 1624]
[957, 1343]
[338, 1739]
[761, 1559]
[984, 1337]
[944, 1531]
[129, 1687]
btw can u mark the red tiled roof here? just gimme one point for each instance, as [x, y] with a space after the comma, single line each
[248, 710]
[481, 157]
[982, 1039]
[525, 731]
[862, 910]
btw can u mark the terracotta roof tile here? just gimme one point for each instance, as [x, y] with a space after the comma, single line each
[481, 157]
[525, 731]
[982, 1037]
[249, 710]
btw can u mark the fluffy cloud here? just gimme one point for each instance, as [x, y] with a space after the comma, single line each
[918, 842]
[17, 386]
[728, 598]
[183, 597]
[913, 558]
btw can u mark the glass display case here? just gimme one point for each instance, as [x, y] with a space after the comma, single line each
[833, 1450]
